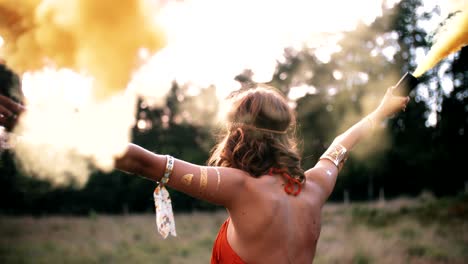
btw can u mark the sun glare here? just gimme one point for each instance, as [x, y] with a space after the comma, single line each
[210, 42]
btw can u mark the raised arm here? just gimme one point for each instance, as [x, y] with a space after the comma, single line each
[214, 184]
[325, 172]
[217, 185]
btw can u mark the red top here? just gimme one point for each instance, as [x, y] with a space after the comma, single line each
[222, 251]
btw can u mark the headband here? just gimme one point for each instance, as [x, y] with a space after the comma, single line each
[236, 124]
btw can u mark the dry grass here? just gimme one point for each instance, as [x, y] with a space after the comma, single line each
[106, 239]
[358, 233]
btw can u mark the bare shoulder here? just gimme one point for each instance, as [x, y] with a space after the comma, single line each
[323, 176]
[310, 197]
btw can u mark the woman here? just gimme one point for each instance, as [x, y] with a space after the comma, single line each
[255, 172]
[274, 206]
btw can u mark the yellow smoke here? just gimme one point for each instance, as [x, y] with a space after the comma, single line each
[75, 124]
[63, 138]
[99, 38]
[451, 39]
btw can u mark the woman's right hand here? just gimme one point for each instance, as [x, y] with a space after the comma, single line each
[391, 104]
[9, 112]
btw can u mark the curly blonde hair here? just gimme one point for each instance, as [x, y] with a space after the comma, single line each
[260, 134]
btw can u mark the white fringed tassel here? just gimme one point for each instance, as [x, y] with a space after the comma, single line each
[164, 216]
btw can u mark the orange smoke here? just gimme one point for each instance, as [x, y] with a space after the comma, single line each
[452, 39]
[99, 38]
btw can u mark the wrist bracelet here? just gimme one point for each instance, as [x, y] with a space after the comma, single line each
[168, 170]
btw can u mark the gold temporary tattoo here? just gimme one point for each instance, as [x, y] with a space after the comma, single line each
[203, 178]
[187, 179]
[219, 179]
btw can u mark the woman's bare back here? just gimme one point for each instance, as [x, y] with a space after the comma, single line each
[270, 226]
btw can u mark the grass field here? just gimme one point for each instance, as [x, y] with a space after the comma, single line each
[400, 231]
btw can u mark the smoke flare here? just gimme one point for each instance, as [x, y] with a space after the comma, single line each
[453, 37]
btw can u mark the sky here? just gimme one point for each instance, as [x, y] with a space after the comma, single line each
[210, 42]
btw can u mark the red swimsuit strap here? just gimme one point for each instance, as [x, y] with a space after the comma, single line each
[290, 187]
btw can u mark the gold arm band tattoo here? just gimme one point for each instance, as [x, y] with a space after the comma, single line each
[335, 153]
[219, 178]
[203, 178]
[187, 179]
